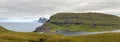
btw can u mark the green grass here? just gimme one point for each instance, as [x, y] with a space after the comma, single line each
[105, 37]
[2, 29]
[10, 36]
[90, 22]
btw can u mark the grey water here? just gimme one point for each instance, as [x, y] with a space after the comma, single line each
[20, 26]
[75, 33]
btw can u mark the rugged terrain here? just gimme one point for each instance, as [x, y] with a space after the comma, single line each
[90, 22]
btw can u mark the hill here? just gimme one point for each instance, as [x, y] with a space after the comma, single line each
[81, 22]
[2, 29]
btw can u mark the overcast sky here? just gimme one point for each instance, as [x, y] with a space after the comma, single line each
[46, 8]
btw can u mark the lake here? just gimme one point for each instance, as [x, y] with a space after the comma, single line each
[20, 26]
[75, 33]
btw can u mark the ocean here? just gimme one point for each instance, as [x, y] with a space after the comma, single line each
[20, 26]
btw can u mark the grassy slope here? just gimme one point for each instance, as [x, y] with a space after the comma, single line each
[9, 36]
[2, 29]
[83, 22]
[106, 37]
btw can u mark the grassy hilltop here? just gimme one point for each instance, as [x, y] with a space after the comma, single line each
[82, 22]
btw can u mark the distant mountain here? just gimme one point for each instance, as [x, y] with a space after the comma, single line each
[42, 20]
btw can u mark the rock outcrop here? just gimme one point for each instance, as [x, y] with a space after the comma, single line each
[42, 20]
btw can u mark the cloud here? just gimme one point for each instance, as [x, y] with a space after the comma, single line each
[18, 19]
[46, 8]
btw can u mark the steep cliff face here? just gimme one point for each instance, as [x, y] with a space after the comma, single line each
[81, 22]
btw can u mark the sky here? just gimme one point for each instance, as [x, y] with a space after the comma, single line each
[45, 8]
[17, 19]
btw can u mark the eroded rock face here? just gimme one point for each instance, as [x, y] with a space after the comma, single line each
[41, 29]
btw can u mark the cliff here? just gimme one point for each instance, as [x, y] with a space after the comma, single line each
[81, 22]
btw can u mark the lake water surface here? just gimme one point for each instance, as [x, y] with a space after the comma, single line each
[70, 33]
